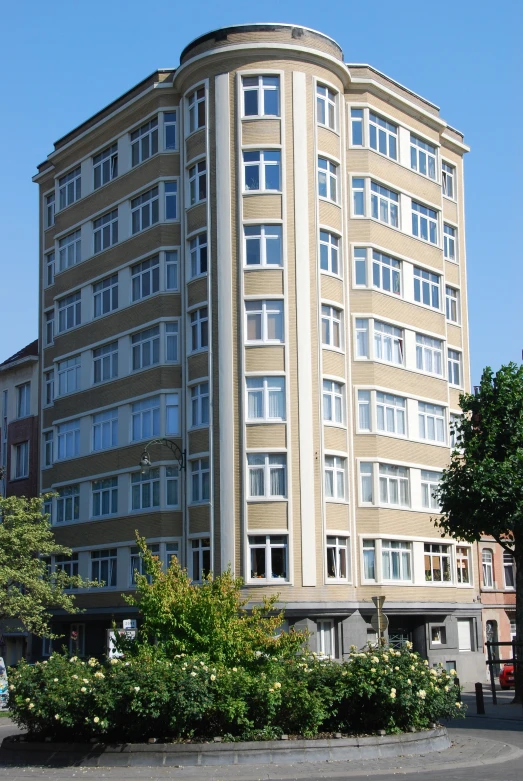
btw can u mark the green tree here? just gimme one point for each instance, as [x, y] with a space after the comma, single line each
[481, 492]
[29, 591]
[209, 618]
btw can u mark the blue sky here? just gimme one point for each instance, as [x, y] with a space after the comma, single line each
[62, 61]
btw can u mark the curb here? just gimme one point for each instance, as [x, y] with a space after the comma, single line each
[13, 752]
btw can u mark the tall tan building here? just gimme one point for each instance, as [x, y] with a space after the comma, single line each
[260, 256]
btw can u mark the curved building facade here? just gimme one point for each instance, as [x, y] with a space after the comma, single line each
[260, 255]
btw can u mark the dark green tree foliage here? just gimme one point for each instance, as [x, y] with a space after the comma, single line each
[482, 490]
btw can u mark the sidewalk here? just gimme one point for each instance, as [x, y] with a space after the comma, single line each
[503, 710]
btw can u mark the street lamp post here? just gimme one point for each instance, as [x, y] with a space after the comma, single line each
[179, 454]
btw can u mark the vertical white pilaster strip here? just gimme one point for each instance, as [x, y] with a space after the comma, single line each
[303, 322]
[224, 261]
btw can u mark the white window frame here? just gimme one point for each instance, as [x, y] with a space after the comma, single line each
[393, 481]
[429, 355]
[105, 296]
[335, 478]
[384, 204]
[452, 308]
[427, 288]
[260, 86]
[104, 490]
[47, 448]
[272, 542]
[197, 179]
[199, 329]
[424, 222]
[69, 312]
[50, 204]
[361, 336]
[145, 210]
[328, 175]
[326, 639]
[170, 192]
[383, 136]
[145, 348]
[265, 388]
[265, 465]
[391, 551]
[394, 413]
[264, 312]
[331, 327]
[200, 558]
[326, 107]
[357, 135]
[49, 268]
[200, 479]
[69, 375]
[388, 343]
[105, 231]
[172, 342]
[172, 271]
[170, 131]
[146, 418]
[105, 363]
[23, 400]
[338, 560]
[68, 504]
[448, 180]
[510, 567]
[198, 255]
[449, 242]
[368, 561]
[463, 565]
[21, 460]
[172, 484]
[49, 327]
[423, 157]
[455, 371]
[429, 482]
[330, 253]
[364, 423]
[104, 430]
[386, 273]
[48, 387]
[195, 103]
[487, 562]
[70, 250]
[199, 400]
[105, 559]
[70, 188]
[145, 279]
[431, 422]
[266, 236]
[264, 163]
[433, 552]
[172, 414]
[144, 142]
[333, 393]
[105, 166]
[145, 490]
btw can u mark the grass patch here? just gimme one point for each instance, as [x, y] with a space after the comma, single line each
[4, 714]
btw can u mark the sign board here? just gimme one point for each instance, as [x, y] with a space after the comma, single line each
[129, 623]
[379, 622]
[112, 651]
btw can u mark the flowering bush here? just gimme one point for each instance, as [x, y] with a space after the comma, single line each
[194, 697]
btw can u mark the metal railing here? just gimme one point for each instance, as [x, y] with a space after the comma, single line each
[492, 661]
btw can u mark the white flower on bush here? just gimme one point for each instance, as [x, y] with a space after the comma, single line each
[452, 672]
[235, 669]
[57, 716]
[213, 677]
[83, 689]
[31, 705]
[393, 694]
[73, 659]
[28, 699]
[277, 685]
[447, 688]
[372, 669]
[459, 705]
[193, 674]
[432, 671]
[137, 688]
[92, 662]
[114, 660]
[409, 681]
[374, 659]
[85, 680]
[11, 688]
[396, 668]
[55, 680]
[426, 662]
[75, 677]
[422, 694]
[99, 675]
[96, 719]
[408, 644]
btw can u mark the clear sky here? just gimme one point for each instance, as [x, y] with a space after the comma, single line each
[61, 62]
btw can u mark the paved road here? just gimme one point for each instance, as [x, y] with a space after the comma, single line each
[484, 749]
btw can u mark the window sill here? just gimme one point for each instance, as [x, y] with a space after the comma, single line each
[333, 500]
[189, 207]
[267, 581]
[333, 424]
[328, 200]
[448, 198]
[265, 344]
[265, 499]
[262, 192]
[337, 582]
[257, 117]
[264, 421]
[193, 132]
[332, 349]
[264, 267]
[330, 274]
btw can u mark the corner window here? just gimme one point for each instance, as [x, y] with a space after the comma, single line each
[261, 171]
[198, 182]
[145, 278]
[358, 197]
[454, 362]
[449, 242]
[199, 326]
[70, 250]
[49, 328]
[171, 270]
[105, 231]
[171, 342]
[105, 166]
[356, 121]
[488, 568]
[364, 410]
[261, 96]
[325, 106]
[437, 563]
[429, 484]
[198, 255]
[424, 223]
[105, 295]
[200, 404]
[331, 326]
[70, 188]
[48, 388]
[21, 460]
[329, 253]
[105, 430]
[263, 245]
[68, 504]
[268, 556]
[69, 375]
[145, 210]
[49, 210]
[452, 304]
[171, 200]
[431, 422]
[146, 348]
[332, 402]
[69, 312]
[422, 157]
[265, 398]
[264, 321]
[335, 468]
[337, 558]
[200, 484]
[196, 106]
[362, 337]
[105, 362]
[383, 136]
[169, 131]
[384, 204]
[429, 354]
[49, 269]
[327, 179]
[369, 560]
[172, 414]
[200, 558]
[23, 400]
[427, 288]
[144, 142]
[267, 475]
[448, 178]
[172, 499]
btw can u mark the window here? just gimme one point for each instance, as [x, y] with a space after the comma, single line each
[68, 439]
[200, 480]
[356, 119]
[172, 477]
[263, 245]
[144, 142]
[454, 362]
[67, 564]
[103, 566]
[198, 255]
[70, 250]
[325, 106]
[268, 556]
[390, 412]
[49, 269]
[332, 401]
[201, 558]
[69, 312]
[49, 210]
[105, 295]
[49, 328]
[105, 496]
[449, 242]
[337, 558]
[437, 563]
[169, 130]
[429, 354]
[265, 398]
[364, 410]
[69, 375]
[23, 400]
[105, 166]
[171, 342]
[70, 187]
[326, 638]
[105, 231]
[49, 387]
[327, 179]
[396, 560]
[105, 362]
[145, 490]
[137, 562]
[146, 348]
[448, 172]
[429, 484]
[267, 475]
[68, 504]
[329, 253]
[422, 157]
[508, 570]
[369, 560]
[383, 136]
[465, 634]
[424, 223]
[388, 343]
[261, 170]
[48, 448]
[171, 270]
[264, 321]
[463, 564]
[335, 478]
[21, 460]
[105, 429]
[199, 320]
[488, 568]
[386, 273]
[196, 103]
[394, 485]
[431, 419]
[455, 425]
[172, 414]
[261, 96]
[330, 326]
[145, 278]
[171, 200]
[438, 635]
[145, 418]
[144, 210]
[360, 266]
[452, 304]
[358, 197]
[426, 288]
[362, 338]
[384, 204]
[198, 182]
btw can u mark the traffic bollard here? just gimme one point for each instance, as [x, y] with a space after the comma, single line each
[480, 703]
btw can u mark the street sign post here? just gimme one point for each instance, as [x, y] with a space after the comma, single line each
[379, 620]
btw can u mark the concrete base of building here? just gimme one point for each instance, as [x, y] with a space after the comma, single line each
[279, 752]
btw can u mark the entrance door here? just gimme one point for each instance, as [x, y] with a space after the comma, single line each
[465, 634]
